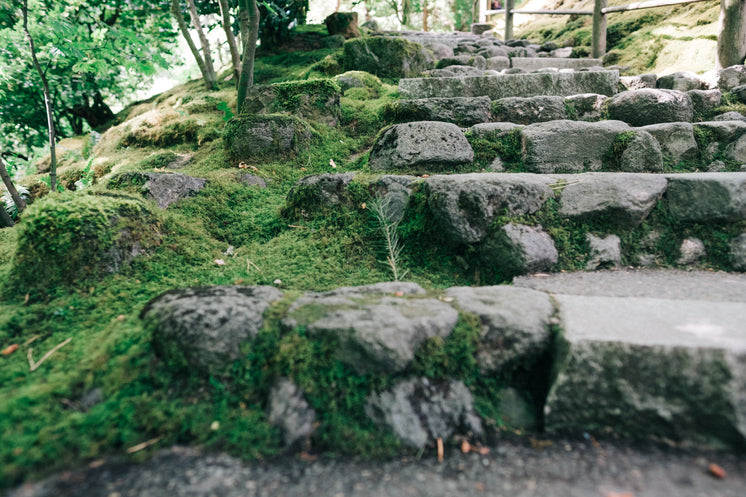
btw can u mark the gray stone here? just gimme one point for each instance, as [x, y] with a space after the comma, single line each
[512, 85]
[676, 140]
[423, 145]
[681, 81]
[316, 101]
[587, 106]
[289, 411]
[535, 63]
[253, 180]
[486, 129]
[440, 50]
[454, 72]
[320, 189]
[568, 146]
[498, 63]
[731, 77]
[740, 93]
[717, 166]
[705, 197]
[736, 150]
[730, 116]
[704, 100]
[358, 79]
[691, 250]
[639, 82]
[651, 106]
[395, 192]
[493, 51]
[421, 410]
[517, 412]
[529, 110]
[167, 188]
[465, 205]
[723, 131]
[562, 53]
[737, 248]
[477, 28]
[251, 137]
[686, 380]
[603, 251]
[476, 61]
[642, 154]
[205, 327]
[462, 111]
[519, 249]
[625, 199]
[515, 324]
[375, 330]
[386, 56]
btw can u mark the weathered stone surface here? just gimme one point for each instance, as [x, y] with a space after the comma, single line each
[519, 249]
[486, 129]
[738, 253]
[534, 63]
[681, 81]
[313, 100]
[395, 191]
[704, 100]
[736, 150]
[731, 77]
[623, 198]
[568, 146]
[515, 324]
[477, 28]
[649, 106]
[476, 61]
[642, 154]
[358, 79]
[205, 327]
[498, 62]
[587, 106]
[455, 71]
[250, 137]
[638, 82]
[493, 52]
[604, 251]
[676, 140]
[740, 93]
[685, 381]
[730, 116]
[529, 110]
[342, 23]
[375, 330]
[420, 145]
[439, 50]
[167, 188]
[320, 190]
[704, 197]
[462, 111]
[690, 251]
[421, 410]
[722, 131]
[289, 411]
[466, 204]
[512, 85]
[386, 56]
[517, 412]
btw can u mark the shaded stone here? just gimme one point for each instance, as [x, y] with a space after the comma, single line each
[519, 249]
[395, 191]
[386, 56]
[737, 248]
[642, 154]
[731, 77]
[421, 410]
[253, 180]
[722, 131]
[639, 82]
[517, 412]
[167, 188]
[204, 327]
[676, 140]
[557, 62]
[289, 411]
[313, 100]
[498, 62]
[586, 107]
[704, 101]
[342, 23]
[358, 79]
[704, 197]
[730, 116]
[650, 106]
[529, 110]
[251, 137]
[476, 61]
[477, 28]
[690, 251]
[681, 81]
[462, 111]
[740, 93]
[604, 252]
[311, 192]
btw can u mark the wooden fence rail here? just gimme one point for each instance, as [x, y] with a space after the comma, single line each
[731, 38]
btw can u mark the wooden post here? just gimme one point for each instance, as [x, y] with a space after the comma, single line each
[598, 41]
[509, 19]
[482, 11]
[732, 36]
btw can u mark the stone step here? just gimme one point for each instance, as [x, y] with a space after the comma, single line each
[535, 63]
[512, 85]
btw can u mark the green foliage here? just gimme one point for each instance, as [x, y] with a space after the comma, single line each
[381, 209]
[488, 146]
[227, 114]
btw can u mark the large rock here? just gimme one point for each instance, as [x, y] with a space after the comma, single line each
[376, 330]
[515, 325]
[684, 381]
[624, 199]
[649, 106]
[205, 327]
[512, 85]
[315, 192]
[252, 137]
[586, 107]
[422, 145]
[731, 77]
[394, 191]
[676, 140]
[519, 249]
[164, 188]
[704, 101]
[568, 146]
[706, 197]
[342, 23]
[603, 252]
[681, 81]
[463, 60]
[642, 154]
[312, 100]
[421, 410]
[386, 56]
[462, 111]
[465, 205]
[529, 110]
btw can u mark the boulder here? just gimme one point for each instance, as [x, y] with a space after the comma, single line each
[515, 325]
[498, 62]
[395, 191]
[312, 100]
[681, 81]
[477, 28]
[253, 180]
[205, 327]
[493, 51]
[676, 140]
[731, 77]
[730, 116]
[529, 110]
[454, 71]
[386, 56]
[737, 247]
[167, 188]
[376, 328]
[642, 154]
[421, 410]
[638, 82]
[740, 93]
[342, 23]
[517, 249]
[358, 79]
[651, 106]
[586, 107]
[424, 145]
[604, 252]
[318, 191]
[704, 101]
[707, 197]
[465, 205]
[624, 199]
[462, 111]
[289, 411]
[250, 137]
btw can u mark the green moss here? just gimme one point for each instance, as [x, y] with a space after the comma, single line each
[385, 56]
[488, 146]
[157, 160]
[613, 157]
[278, 135]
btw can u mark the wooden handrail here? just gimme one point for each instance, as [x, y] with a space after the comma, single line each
[646, 5]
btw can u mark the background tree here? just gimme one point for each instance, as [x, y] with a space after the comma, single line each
[249, 16]
[204, 60]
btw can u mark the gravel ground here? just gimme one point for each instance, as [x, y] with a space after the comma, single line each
[518, 467]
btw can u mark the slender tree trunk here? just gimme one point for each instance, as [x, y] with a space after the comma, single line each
[425, 15]
[20, 203]
[47, 101]
[732, 36]
[206, 51]
[246, 80]
[179, 16]
[232, 45]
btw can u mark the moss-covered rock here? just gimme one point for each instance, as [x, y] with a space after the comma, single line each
[70, 238]
[314, 100]
[386, 56]
[253, 136]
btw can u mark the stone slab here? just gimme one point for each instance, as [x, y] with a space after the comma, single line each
[704, 197]
[533, 63]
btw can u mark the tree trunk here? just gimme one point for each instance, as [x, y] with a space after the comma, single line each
[732, 36]
[47, 101]
[206, 51]
[246, 80]
[425, 15]
[20, 203]
[176, 11]
[232, 45]
[5, 220]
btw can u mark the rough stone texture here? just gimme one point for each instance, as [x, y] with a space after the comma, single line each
[568, 146]
[395, 191]
[529, 110]
[376, 332]
[440, 50]
[681, 81]
[454, 71]
[498, 62]
[477, 28]
[476, 61]
[649, 106]
[421, 145]
[740, 93]
[358, 79]
[587, 106]
[515, 324]
[512, 85]
[289, 411]
[604, 251]
[704, 100]
[466, 204]
[386, 56]
[723, 131]
[313, 100]
[639, 82]
[249, 137]
[685, 380]
[704, 197]
[342, 23]
[517, 412]
[738, 253]
[624, 198]
[730, 116]
[519, 249]
[736, 150]
[320, 189]
[676, 140]
[731, 77]
[642, 154]
[534, 63]
[167, 188]
[421, 410]
[462, 111]
[486, 129]
[207, 325]
[690, 251]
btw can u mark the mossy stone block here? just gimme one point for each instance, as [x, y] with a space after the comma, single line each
[386, 56]
[251, 136]
[313, 100]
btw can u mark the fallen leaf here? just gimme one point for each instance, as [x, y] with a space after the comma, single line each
[465, 447]
[425, 176]
[305, 456]
[9, 349]
[717, 471]
[332, 163]
[121, 317]
[440, 449]
[363, 206]
[445, 299]
[484, 450]
[399, 294]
